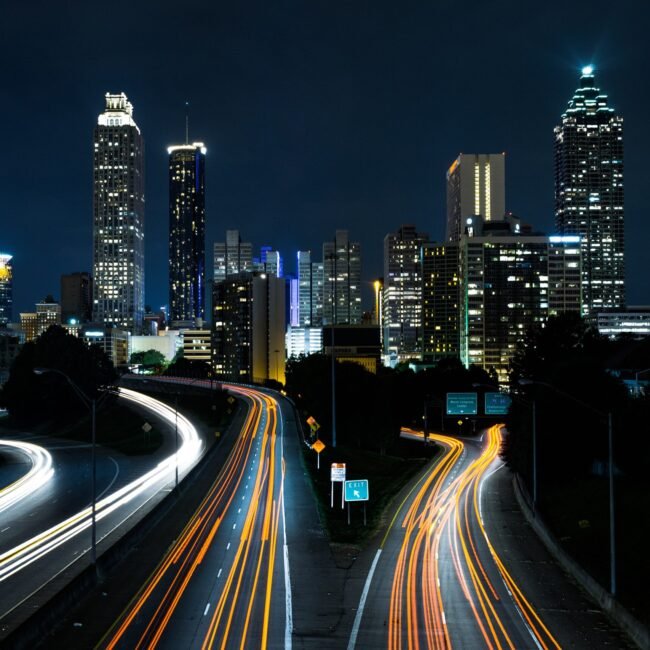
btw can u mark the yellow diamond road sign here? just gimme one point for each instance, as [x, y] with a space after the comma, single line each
[318, 446]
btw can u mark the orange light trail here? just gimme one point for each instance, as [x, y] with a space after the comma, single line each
[444, 515]
[246, 592]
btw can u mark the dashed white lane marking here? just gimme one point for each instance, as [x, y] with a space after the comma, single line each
[228, 547]
[219, 574]
[238, 511]
[234, 526]
[207, 607]
[3, 530]
[362, 603]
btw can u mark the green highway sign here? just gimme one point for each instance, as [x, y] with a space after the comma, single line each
[356, 490]
[462, 404]
[497, 403]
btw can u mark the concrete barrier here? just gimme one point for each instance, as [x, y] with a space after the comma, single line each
[637, 632]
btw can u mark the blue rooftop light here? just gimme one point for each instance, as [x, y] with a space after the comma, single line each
[587, 70]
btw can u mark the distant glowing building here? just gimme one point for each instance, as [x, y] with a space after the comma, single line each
[232, 256]
[341, 281]
[186, 233]
[6, 289]
[402, 296]
[118, 217]
[310, 290]
[589, 193]
[475, 187]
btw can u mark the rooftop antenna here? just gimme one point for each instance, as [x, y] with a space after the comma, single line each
[187, 122]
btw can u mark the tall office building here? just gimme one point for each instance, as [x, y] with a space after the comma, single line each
[48, 312]
[475, 186]
[76, 297]
[310, 290]
[589, 192]
[232, 256]
[186, 233]
[6, 289]
[271, 261]
[440, 302]
[341, 281]
[118, 217]
[402, 296]
[248, 328]
[505, 281]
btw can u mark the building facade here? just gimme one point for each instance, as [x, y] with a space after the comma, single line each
[341, 281]
[440, 301]
[186, 233]
[589, 192]
[48, 312]
[76, 297]
[232, 256]
[476, 186]
[6, 289]
[402, 296]
[248, 328]
[504, 290]
[118, 217]
[310, 290]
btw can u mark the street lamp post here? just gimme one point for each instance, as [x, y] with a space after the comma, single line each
[610, 464]
[91, 404]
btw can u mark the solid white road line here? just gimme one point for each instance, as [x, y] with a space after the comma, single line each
[362, 603]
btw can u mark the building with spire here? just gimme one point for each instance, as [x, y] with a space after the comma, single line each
[186, 233]
[589, 192]
[118, 217]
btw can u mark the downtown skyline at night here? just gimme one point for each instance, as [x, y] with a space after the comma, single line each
[324, 325]
[313, 163]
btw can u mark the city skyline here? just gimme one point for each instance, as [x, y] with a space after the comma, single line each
[366, 167]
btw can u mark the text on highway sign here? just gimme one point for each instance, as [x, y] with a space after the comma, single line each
[461, 404]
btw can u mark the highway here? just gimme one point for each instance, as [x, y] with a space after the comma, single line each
[225, 581]
[47, 529]
[437, 580]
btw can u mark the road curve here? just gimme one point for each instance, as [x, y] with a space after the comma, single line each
[224, 582]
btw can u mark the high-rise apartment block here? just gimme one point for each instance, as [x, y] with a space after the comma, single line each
[118, 217]
[76, 297]
[440, 301]
[248, 328]
[6, 289]
[505, 281]
[232, 256]
[402, 296]
[186, 233]
[475, 187]
[342, 281]
[589, 192]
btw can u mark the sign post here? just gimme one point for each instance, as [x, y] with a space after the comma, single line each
[318, 446]
[337, 475]
[356, 491]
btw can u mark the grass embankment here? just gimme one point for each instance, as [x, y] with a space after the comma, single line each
[387, 474]
[578, 514]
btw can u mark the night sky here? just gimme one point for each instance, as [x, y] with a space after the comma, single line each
[316, 116]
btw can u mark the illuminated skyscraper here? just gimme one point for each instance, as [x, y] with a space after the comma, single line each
[589, 192]
[402, 296]
[342, 281]
[186, 233]
[6, 289]
[232, 256]
[310, 291]
[118, 217]
[476, 185]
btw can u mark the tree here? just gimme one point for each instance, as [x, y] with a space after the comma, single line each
[149, 360]
[190, 368]
[31, 397]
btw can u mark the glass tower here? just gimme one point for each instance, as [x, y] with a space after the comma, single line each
[589, 192]
[118, 217]
[341, 281]
[186, 233]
